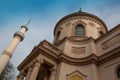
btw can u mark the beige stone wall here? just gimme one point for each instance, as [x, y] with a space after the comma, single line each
[108, 42]
[66, 69]
[108, 71]
[79, 49]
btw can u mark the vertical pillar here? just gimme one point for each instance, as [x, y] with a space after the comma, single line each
[20, 76]
[45, 75]
[28, 73]
[53, 74]
[95, 72]
[35, 70]
[6, 55]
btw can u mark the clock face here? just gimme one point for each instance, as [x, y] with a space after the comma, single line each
[76, 77]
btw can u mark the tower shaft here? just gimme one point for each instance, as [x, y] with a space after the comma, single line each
[7, 53]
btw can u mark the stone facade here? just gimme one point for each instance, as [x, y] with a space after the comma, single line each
[95, 55]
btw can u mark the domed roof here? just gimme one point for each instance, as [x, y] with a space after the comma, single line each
[80, 13]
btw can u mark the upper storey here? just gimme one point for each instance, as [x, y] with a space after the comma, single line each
[79, 24]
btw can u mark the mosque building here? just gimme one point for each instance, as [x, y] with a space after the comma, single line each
[82, 49]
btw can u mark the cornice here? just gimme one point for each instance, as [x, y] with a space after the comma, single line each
[60, 41]
[79, 61]
[109, 55]
[75, 39]
[28, 59]
[40, 49]
[98, 60]
[82, 39]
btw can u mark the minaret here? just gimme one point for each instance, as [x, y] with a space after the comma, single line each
[7, 53]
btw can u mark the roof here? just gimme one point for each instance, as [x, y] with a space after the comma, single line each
[80, 13]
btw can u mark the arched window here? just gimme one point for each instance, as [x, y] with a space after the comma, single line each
[79, 30]
[118, 72]
[58, 35]
[101, 33]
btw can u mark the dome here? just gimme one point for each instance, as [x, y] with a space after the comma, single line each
[79, 24]
[80, 14]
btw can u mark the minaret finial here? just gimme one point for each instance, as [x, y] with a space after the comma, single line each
[28, 22]
[80, 10]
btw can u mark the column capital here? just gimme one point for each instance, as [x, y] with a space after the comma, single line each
[35, 70]
[39, 61]
[29, 68]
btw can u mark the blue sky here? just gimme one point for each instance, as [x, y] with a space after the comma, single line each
[45, 14]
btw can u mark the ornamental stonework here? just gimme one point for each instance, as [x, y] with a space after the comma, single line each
[91, 24]
[79, 18]
[78, 50]
[111, 42]
[68, 24]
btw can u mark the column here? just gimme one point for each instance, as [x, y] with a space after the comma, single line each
[20, 76]
[35, 71]
[28, 73]
[52, 75]
[45, 76]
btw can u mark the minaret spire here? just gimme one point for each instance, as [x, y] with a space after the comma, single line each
[28, 22]
[7, 53]
[80, 10]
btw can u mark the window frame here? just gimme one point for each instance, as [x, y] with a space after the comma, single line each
[81, 31]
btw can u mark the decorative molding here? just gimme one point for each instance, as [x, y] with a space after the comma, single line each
[114, 53]
[20, 35]
[78, 38]
[80, 17]
[37, 64]
[79, 61]
[7, 53]
[75, 40]
[77, 23]
[92, 24]
[111, 42]
[67, 24]
[115, 63]
[76, 75]
[78, 50]
[51, 47]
